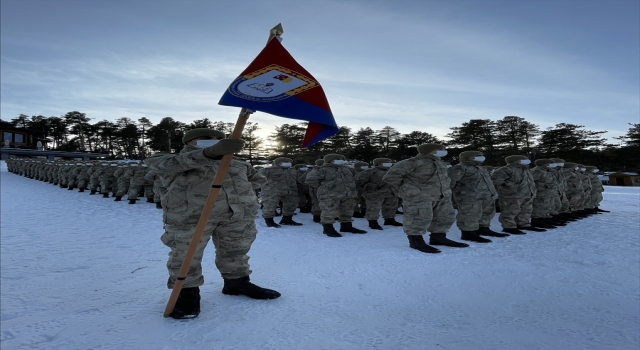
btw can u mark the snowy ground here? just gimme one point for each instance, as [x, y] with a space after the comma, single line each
[83, 272]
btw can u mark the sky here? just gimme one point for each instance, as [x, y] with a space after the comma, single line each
[86, 272]
[413, 65]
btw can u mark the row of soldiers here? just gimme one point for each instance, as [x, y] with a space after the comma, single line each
[133, 179]
[549, 195]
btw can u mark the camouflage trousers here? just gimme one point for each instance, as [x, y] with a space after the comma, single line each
[72, 181]
[473, 215]
[315, 205]
[556, 204]
[596, 199]
[515, 212]
[94, 183]
[336, 207]
[374, 205]
[108, 185]
[303, 199]
[157, 191]
[575, 202]
[232, 241]
[123, 188]
[542, 206]
[134, 191]
[565, 203]
[422, 216]
[586, 199]
[360, 204]
[270, 203]
[82, 182]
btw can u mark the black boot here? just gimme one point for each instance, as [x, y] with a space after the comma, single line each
[374, 225]
[531, 228]
[556, 221]
[567, 216]
[270, 222]
[348, 227]
[513, 231]
[118, 199]
[358, 214]
[188, 304]
[81, 190]
[316, 218]
[486, 231]
[305, 209]
[538, 222]
[243, 286]
[288, 220]
[473, 236]
[63, 186]
[93, 192]
[330, 231]
[392, 222]
[417, 242]
[70, 188]
[105, 195]
[441, 239]
[602, 210]
[158, 205]
[132, 201]
[149, 200]
[553, 222]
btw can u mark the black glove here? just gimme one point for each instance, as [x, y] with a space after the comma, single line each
[224, 146]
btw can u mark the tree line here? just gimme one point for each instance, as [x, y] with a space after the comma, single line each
[126, 138]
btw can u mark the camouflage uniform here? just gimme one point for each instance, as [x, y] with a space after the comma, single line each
[423, 184]
[281, 186]
[304, 200]
[516, 191]
[575, 191]
[596, 188]
[123, 178]
[377, 193]
[108, 182]
[152, 176]
[231, 225]
[546, 189]
[313, 192]
[336, 191]
[136, 175]
[473, 194]
[360, 208]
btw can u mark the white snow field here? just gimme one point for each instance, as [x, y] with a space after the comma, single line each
[84, 272]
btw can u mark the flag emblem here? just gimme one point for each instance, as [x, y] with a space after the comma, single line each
[272, 83]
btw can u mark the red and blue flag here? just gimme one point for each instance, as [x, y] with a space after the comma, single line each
[275, 83]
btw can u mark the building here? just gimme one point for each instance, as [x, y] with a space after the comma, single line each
[624, 179]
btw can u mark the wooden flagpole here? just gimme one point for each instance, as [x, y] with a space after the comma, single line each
[211, 200]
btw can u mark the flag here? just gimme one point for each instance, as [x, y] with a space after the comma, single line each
[275, 83]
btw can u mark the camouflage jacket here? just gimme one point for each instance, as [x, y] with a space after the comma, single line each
[333, 181]
[560, 179]
[421, 178]
[545, 182]
[370, 184]
[136, 175]
[514, 181]
[123, 174]
[574, 181]
[596, 184]
[280, 181]
[471, 182]
[586, 182]
[192, 174]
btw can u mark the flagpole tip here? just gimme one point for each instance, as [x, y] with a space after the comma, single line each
[277, 30]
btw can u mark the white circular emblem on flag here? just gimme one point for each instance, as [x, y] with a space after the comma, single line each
[272, 83]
